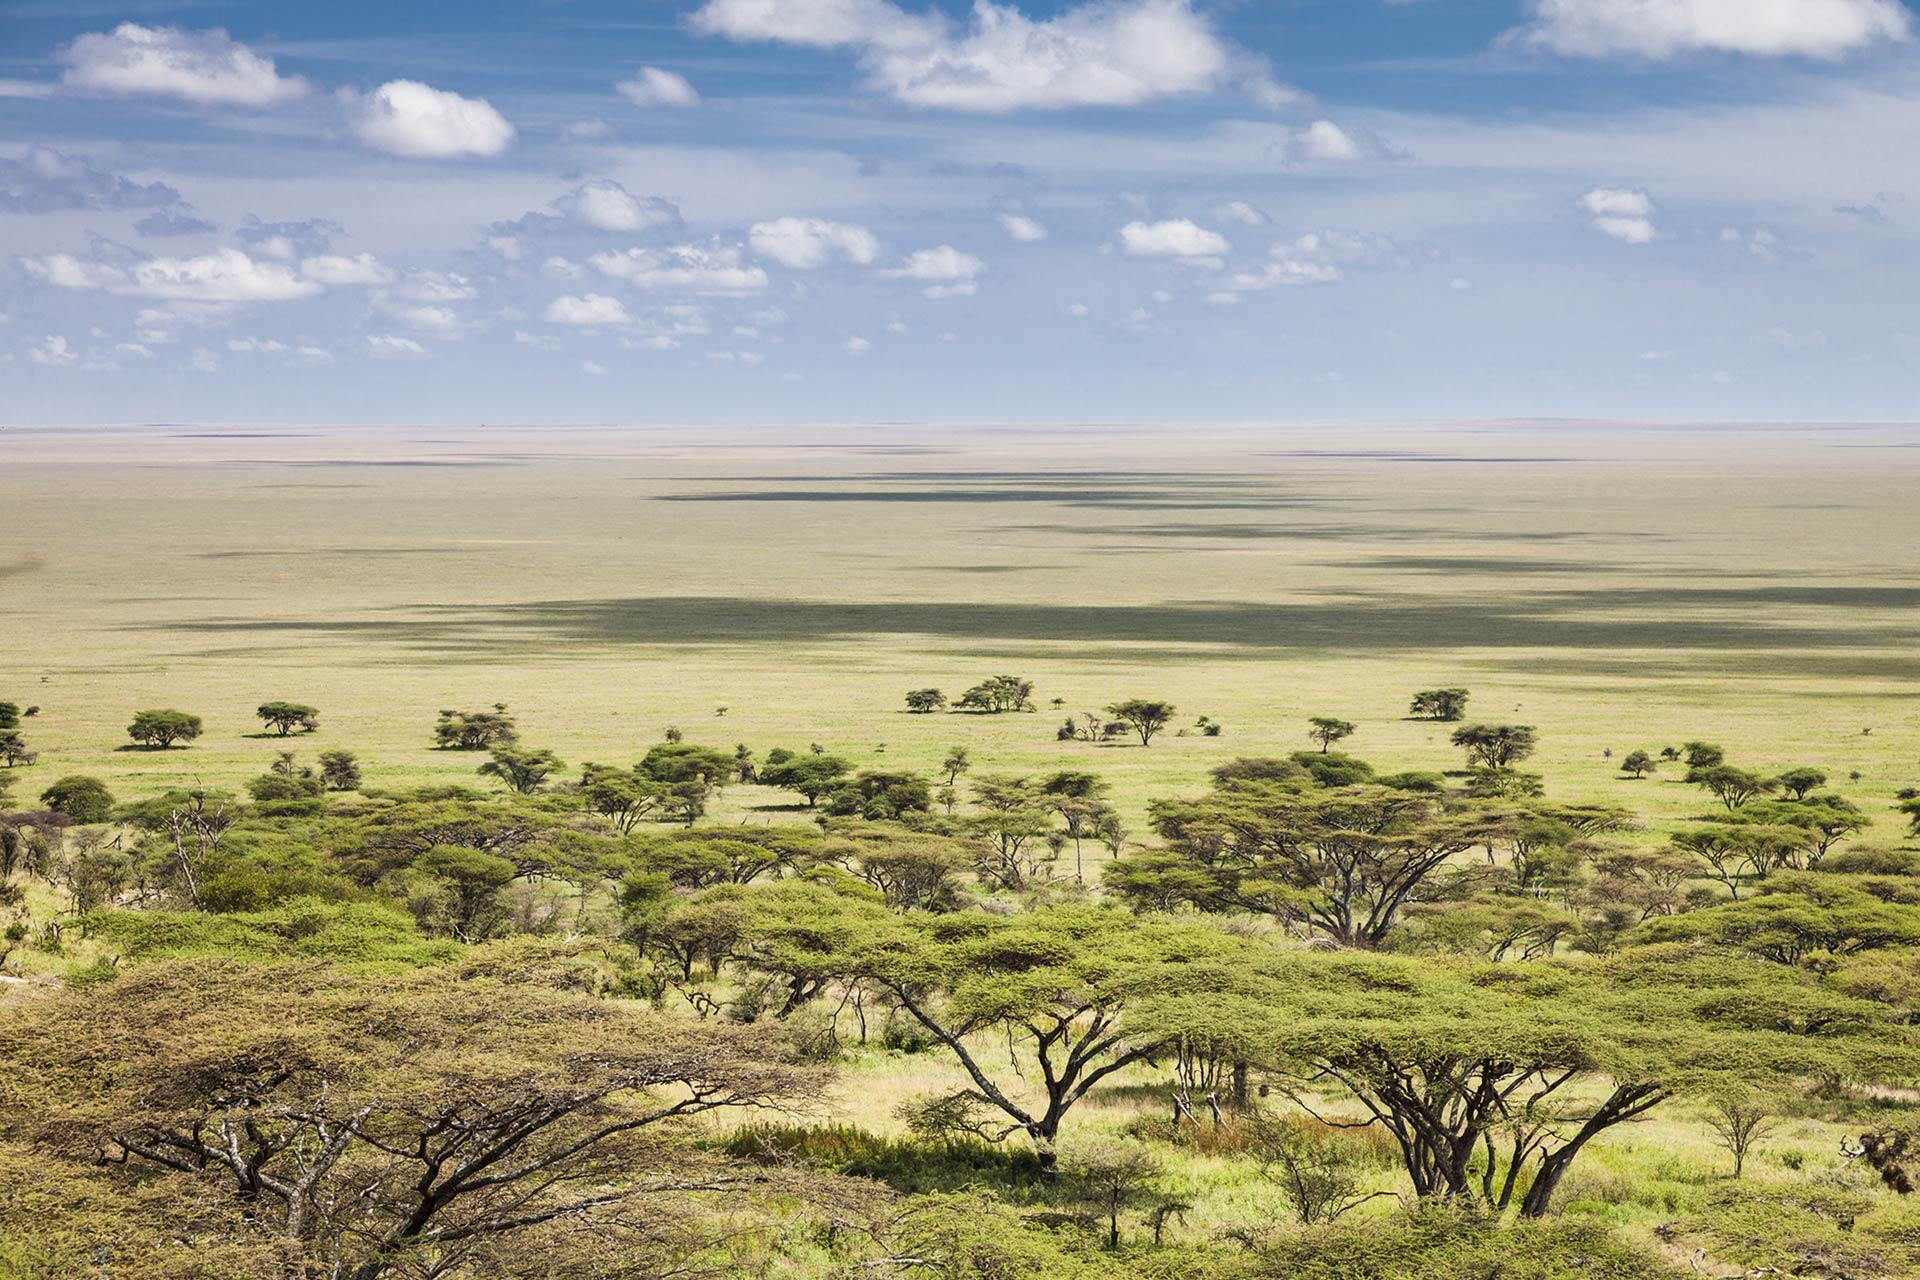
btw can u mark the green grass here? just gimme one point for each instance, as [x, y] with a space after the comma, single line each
[1620, 591]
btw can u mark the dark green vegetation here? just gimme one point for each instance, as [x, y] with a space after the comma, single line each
[1322, 1019]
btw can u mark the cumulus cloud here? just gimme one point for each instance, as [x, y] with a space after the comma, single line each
[1104, 53]
[1625, 214]
[716, 269]
[653, 87]
[588, 309]
[1323, 140]
[1241, 213]
[44, 180]
[224, 276]
[334, 269]
[949, 272]
[207, 67]
[594, 130]
[1321, 257]
[605, 205]
[1759, 243]
[407, 118]
[806, 243]
[856, 346]
[1022, 228]
[1666, 28]
[943, 262]
[53, 350]
[1172, 238]
[386, 346]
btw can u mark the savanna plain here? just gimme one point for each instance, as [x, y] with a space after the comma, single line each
[1475, 850]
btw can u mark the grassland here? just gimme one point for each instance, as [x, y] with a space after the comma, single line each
[1620, 587]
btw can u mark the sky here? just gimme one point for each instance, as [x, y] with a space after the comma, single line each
[456, 211]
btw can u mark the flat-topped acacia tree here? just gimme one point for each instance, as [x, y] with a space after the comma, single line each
[1344, 861]
[1492, 1079]
[284, 717]
[1038, 1002]
[162, 728]
[1143, 716]
[387, 1126]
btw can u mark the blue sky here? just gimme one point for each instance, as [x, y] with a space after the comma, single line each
[821, 210]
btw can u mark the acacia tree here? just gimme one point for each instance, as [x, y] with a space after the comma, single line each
[811, 775]
[1439, 704]
[1731, 786]
[524, 769]
[1056, 985]
[1492, 1081]
[1800, 783]
[997, 695]
[284, 717]
[1639, 764]
[1012, 826]
[1327, 730]
[475, 730]
[926, 701]
[1496, 746]
[1344, 862]
[13, 749]
[162, 728]
[340, 770]
[424, 1126]
[83, 799]
[1143, 716]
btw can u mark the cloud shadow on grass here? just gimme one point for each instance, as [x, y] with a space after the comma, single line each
[1738, 628]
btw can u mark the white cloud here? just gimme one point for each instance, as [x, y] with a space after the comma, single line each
[538, 341]
[594, 130]
[1104, 53]
[206, 67]
[407, 118]
[593, 309]
[1323, 140]
[53, 350]
[653, 87]
[605, 205]
[1172, 238]
[1759, 243]
[1078, 310]
[806, 243]
[690, 268]
[856, 346]
[385, 346]
[594, 368]
[1666, 28]
[1625, 214]
[204, 361]
[436, 286]
[256, 346]
[1241, 213]
[1321, 257]
[226, 275]
[1022, 228]
[941, 263]
[438, 320]
[335, 269]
